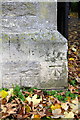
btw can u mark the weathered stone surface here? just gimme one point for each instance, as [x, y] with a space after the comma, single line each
[34, 53]
[35, 60]
[18, 17]
[0, 61]
[29, 1]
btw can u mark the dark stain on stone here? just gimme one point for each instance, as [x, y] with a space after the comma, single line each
[59, 53]
[18, 43]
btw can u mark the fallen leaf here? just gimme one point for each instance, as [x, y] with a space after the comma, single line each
[71, 58]
[4, 115]
[19, 116]
[64, 106]
[56, 106]
[11, 111]
[75, 101]
[37, 116]
[68, 115]
[3, 94]
[28, 109]
[57, 116]
[4, 109]
[68, 99]
[74, 107]
[3, 101]
[42, 114]
[56, 111]
[71, 88]
[34, 99]
[26, 116]
[74, 49]
[38, 92]
[10, 92]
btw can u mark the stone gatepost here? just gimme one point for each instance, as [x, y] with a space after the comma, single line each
[34, 53]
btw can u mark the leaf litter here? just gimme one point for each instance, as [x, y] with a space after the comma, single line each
[36, 104]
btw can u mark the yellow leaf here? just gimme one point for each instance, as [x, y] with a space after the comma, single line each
[71, 58]
[51, 97]
[56, 106]
[37, 116]
[69, 115]
[79, 74]
[68, 99]
[27, 108]
[3, 93]
[69, 52]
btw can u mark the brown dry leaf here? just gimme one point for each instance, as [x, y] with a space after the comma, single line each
[19, 116]
[11, 111]
[41, 113]
[21, 110]
[9, 105]
[3, 109]
[4, 115]
[13, 102]
[33, 112]
[57, 101]
[47, 112]
[26, 92]
[71, 88]
[26, 115]
[62, 93]
[3, 101]
[17, 100]
[38, 92]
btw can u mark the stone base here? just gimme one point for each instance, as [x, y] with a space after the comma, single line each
[34, 60]
[34, 53]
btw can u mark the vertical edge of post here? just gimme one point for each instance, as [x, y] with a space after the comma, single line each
[0, 45]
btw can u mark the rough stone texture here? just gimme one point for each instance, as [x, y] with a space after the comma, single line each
[29, 1]
[34, 53]
[18, 17]
[35, 60]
